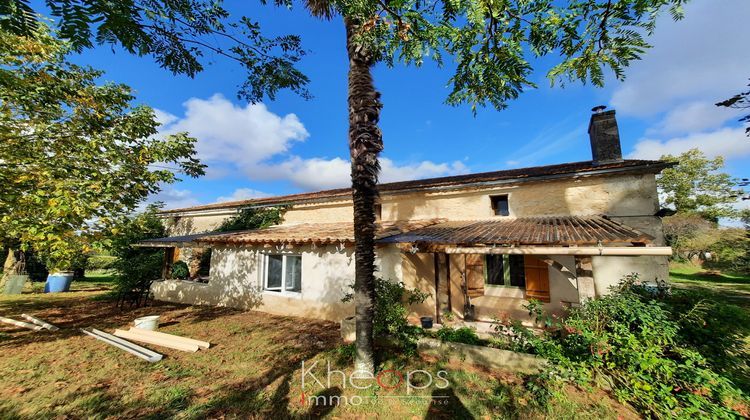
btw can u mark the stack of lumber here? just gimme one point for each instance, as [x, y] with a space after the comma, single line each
[162, 339]
[134, 349]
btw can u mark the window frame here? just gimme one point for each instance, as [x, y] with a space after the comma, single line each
[281, 290]
[506, 273]
[493, 203]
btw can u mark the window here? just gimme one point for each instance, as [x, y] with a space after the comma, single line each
[500, 205]
[283, 273]
[505, 270]
[378, 212]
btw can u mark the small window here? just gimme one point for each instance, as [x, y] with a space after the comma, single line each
[500, 205]
[378, 212]
[283, 273]
[505, 270]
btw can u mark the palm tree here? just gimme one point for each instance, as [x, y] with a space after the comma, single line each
[365, 144]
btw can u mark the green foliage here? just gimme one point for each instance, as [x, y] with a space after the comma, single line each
[136, 266]
[648, 345]
[392, 301]
[695, 185]
[494, 43]
[75, 156]
[101, 262]
[463, 335]
[253, 218]
[731, 251]
[180, 36]
[180, 270]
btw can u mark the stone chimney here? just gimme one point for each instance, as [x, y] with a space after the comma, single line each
[604, 136]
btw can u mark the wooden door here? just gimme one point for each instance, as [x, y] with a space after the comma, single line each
[475, 275]
[537, 278]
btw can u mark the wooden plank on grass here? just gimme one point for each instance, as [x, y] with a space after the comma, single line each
[39, 322]
[129, 347]
[156, 341]
[21, 324]
[172, 337]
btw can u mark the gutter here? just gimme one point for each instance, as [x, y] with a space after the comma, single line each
[590, 251]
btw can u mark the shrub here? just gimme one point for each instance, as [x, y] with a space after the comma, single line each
[180, 270]
[136, 267]
[463, 335]
[392, 302]
[634, 340]
[101, 262]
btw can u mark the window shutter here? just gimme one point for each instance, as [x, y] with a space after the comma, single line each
[537, 278]
[475, 275]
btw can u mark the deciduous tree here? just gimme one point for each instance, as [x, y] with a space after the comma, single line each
[76, 156]
[696, 185]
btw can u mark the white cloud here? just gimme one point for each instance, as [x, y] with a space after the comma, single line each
[728, 142]
[256, 142]
[174, 198]
[235, 136]
[318, 174]
[693, 117]
[242, 194]
[703, 57]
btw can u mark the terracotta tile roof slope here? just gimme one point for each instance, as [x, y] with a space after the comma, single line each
[565, 169]
[568, 230]
[315, 233]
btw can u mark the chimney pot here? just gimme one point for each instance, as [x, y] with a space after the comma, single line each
[604, 136]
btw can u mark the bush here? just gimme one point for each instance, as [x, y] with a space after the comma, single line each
[101, 262]
[634, 339]
[391, 309]
[180, 270]
[463, 335]
[136, 267]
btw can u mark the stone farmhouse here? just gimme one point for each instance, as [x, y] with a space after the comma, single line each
[480, 244]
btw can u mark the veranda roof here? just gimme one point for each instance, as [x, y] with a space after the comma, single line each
[173, 241]
[547, 231]
[311, 233]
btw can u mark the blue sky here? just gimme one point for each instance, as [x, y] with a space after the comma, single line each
[292, 145]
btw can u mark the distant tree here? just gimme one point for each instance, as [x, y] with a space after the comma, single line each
[75, 156]
[696, 185]
[688, 234]
[252, 218]
[739, 101]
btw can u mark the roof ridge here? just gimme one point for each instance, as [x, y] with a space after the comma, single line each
[477, 177]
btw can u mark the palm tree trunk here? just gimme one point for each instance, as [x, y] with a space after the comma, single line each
[365, 143]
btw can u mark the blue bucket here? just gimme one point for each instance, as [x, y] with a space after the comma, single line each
[58, 282]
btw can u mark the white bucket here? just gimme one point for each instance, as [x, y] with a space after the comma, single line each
[147, 322]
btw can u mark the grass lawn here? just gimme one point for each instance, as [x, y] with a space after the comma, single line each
[732, 288]
[252, 370]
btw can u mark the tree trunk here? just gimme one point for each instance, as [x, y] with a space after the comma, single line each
[365, 143]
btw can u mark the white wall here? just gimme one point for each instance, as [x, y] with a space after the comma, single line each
[236, 281]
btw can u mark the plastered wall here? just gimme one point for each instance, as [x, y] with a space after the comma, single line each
[631, 199]
[623, 195]
[235, 281]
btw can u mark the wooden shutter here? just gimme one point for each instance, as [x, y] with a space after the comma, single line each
[475, 275]
[537, 278]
